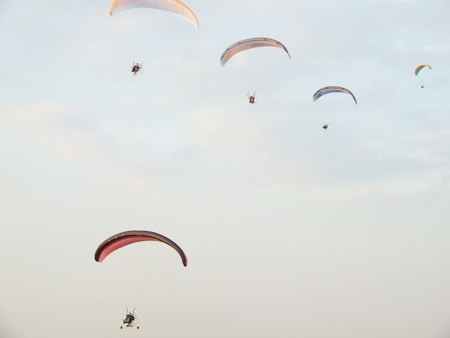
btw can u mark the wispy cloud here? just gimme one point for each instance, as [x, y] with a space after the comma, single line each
[443, 48]
[429, 136]
[54, 128]
[226, 130]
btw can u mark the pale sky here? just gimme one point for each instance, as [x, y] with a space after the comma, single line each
[290, 230]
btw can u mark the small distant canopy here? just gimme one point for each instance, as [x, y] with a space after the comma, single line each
[122, 239]
[249, 44]
[332, 89]
[173, 6]
[420, 67]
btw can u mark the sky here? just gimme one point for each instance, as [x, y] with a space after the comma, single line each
[290, 230]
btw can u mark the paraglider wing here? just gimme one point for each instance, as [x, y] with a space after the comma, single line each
[419, 68]
[173, 6]
[248, 44]
[332, 89]
[122, 239]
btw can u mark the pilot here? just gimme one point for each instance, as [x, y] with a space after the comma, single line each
[129, 318]
[135, 69]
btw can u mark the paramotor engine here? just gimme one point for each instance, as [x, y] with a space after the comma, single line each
[131, 319]
[136, 68]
